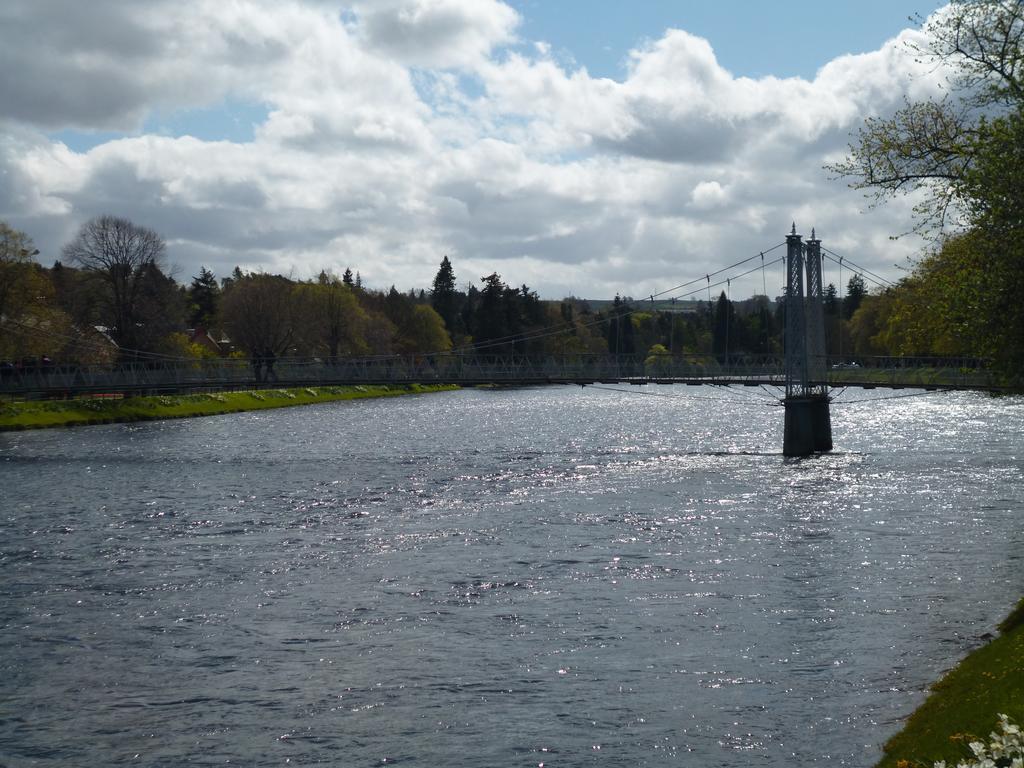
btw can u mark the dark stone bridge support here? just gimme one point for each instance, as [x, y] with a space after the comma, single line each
[808, 426]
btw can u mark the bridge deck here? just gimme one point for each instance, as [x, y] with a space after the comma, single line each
[752, 371]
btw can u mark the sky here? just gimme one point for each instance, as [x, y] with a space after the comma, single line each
[582, 148]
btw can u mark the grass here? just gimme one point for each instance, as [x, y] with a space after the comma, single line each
[964, 705]
[40, 414]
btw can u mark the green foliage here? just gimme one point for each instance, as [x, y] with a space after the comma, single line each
[269, 316]
[856, 290]
[331, 321]
[967, 154]
[426, 333]
[16, 254]
[204, 299]
[260, 313]
[31, 322]
[930, 147]
[658, 360]
[178, 345]
[939, 310]
[995, 187]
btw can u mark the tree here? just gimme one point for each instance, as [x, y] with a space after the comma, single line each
[966, 152]
[161, 308]
[830, 301]
[204, 298]
[16, 252]
[426, 333]
[868, 324]
[444, 297]
[995, 187]
[333, 322]
[723, 326]
[380, 333]
[260, 313]
[658, 360]
[490, 317]
[347, 278]
[123, 257]
[931, 146]
[31, 323]
[856, 290]
[620, 328]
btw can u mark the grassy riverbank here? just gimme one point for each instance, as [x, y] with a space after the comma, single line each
[40, 414]
[965, 704]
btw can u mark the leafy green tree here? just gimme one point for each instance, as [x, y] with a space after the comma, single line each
[929, 147]
[426, 334]
[261, 313]
[658, 360]
[31, 322]
[868, 324]
[331, 321]
[966, 154]
[995, 187]
[16, 260]
[381, 334]
[178, 345]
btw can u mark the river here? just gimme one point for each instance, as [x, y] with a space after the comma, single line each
[556, 576]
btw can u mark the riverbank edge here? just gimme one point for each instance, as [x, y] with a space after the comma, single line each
[80, 412]
[964, 705]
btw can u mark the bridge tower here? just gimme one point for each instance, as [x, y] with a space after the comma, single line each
[808, 424]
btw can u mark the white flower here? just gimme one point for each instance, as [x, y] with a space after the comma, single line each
[1000, 746]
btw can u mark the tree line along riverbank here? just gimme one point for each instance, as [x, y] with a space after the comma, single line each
[40, 414]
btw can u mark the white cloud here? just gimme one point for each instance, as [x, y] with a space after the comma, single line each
[707, 195]
[436, 33]
[397, 132]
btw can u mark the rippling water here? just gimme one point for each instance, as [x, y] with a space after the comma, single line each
[499, 578]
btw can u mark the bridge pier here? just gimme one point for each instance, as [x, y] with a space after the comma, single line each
[808, 425]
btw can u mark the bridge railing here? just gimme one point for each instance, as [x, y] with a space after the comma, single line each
[924, 372]
[54, 380]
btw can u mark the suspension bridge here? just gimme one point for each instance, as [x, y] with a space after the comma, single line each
[804, 375]
[176, 376]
